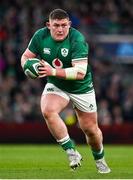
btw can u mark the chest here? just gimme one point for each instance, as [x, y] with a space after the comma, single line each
[58, 54]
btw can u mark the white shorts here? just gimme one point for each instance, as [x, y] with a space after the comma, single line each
[85, 102]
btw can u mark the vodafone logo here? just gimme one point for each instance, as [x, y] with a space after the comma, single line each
[57, 63]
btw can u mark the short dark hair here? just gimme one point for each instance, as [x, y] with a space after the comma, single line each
[58, 14]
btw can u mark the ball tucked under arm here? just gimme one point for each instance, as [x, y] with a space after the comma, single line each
[31, 67]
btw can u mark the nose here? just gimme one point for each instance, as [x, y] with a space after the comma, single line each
[60, 28]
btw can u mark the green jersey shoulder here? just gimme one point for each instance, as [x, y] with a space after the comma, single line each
[61, 54]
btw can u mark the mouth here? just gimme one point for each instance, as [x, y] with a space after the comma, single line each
[59, 37]
[59, 34]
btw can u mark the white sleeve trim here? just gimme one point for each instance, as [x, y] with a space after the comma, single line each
[80, 59]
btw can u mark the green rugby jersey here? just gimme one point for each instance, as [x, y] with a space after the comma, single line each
[60, 54]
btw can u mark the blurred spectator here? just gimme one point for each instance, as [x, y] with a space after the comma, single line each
[128, 104]
[103, 112]
[117, 114]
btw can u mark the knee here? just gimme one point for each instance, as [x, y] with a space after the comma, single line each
[47, 114]
[90, 129]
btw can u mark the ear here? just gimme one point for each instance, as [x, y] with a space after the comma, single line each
[70, 23]
[48, 25]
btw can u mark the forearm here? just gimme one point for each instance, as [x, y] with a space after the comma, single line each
[72, 73]
[76, 72]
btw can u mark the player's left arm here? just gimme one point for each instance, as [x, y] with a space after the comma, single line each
[76, 72]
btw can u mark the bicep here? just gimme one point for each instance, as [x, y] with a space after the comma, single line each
[26, 55]
[79, 51]
[29, 54]
[81, 62]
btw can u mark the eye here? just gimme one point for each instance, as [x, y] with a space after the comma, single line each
[64, 25]
[56, 25]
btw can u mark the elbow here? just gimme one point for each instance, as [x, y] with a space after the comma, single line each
[81, 70]
[23, 60]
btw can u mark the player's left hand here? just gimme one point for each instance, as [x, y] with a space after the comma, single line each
[45, 69]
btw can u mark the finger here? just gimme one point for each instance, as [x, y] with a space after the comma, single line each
[41, 68]
[41, 72]
[42, 62]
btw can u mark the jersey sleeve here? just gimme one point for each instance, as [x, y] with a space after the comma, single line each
[33, 44]
[79, 49]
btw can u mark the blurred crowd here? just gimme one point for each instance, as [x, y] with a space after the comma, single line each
[19, 19]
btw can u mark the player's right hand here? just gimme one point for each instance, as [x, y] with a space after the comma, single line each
[45, 69]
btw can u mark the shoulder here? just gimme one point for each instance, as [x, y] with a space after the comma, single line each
[42, 33]
[76, 35]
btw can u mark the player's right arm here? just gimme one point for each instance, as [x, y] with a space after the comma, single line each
[32, 49]
[26, 55]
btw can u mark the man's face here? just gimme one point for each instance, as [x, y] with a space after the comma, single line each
[59, 28]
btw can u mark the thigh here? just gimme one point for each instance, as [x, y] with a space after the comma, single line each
[84, 102]
[87, 121]
[53, 99]
[86, 117]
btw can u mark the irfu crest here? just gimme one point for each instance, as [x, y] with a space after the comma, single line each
[64, 52]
